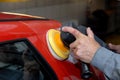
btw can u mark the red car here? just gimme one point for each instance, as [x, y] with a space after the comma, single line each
[24, 53]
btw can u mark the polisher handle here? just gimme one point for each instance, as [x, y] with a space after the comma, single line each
[86, 73]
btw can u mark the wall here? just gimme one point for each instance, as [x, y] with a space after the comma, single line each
[62, 10]
[96, 4]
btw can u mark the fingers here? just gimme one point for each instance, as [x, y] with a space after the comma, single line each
[74, 44]
[77, 33]
[112, 46]
[73, 31]
[116, 48]
[85, 46]
[90, 33]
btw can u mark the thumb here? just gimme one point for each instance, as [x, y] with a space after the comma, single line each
[111, 46]
[90, 33]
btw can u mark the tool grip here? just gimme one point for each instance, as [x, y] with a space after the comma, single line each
[86, 73]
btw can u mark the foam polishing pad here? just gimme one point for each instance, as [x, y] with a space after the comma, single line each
[56, 46]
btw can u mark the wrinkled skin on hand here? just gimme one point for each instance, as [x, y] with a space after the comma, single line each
[114, 47]
[85, 46]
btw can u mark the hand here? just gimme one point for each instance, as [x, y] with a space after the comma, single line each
[114, 47]
[84, 47]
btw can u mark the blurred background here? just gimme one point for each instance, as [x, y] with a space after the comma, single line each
[103, 16]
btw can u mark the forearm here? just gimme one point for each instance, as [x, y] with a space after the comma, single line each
[108, 62]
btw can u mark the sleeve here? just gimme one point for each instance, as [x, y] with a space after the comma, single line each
[108, 62]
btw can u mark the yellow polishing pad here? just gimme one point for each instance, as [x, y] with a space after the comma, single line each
[56, 44]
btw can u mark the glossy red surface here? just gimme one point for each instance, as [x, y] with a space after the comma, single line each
[35, 31]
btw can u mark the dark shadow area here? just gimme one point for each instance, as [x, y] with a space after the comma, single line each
[98, 21]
